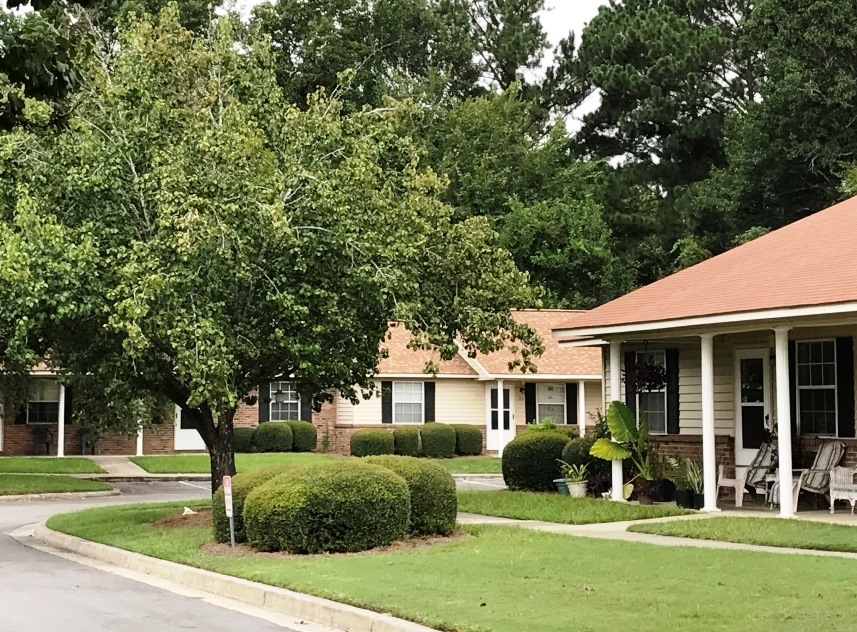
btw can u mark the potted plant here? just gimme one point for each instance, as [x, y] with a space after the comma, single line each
[694, 477]
[561, 486]
[683, 485]
[575, 478]
[630, 440]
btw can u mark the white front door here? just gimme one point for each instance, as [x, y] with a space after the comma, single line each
[501, 422]
[186, 436]
[752, 397]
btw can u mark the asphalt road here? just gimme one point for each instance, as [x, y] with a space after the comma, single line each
[42, 592]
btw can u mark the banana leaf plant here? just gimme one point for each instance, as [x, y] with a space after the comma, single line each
[630, 440]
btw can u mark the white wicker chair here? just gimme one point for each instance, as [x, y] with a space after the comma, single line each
[752, 477]
[842, 486]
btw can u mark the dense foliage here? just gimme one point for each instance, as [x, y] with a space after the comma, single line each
[372, 441]
[468, 440]
[304, 435]
[434, 504]
[244, 439]
[242, 484]
[273, 436]
[437, 440]
[406, 441]
[531, 460]
[340, 506]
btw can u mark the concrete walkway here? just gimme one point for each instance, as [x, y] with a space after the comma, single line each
[119, 466]
[619, 531]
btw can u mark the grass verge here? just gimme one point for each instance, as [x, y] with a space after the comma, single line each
[48, 465]
[13, 484]
[199, 464]
[556, 508]
[764, 531]
[508, 579]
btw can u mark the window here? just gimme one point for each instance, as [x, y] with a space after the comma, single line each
[816, 387]
[652, 404]
[43, 406]
[285, 402]
[408, 403]
[550, 402]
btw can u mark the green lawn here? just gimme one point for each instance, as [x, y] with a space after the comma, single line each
[48, 465]
[766, 531]
[556, 508]
[199, 464]
[11, 484]
[506, 579]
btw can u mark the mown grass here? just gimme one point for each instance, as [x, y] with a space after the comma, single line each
[13, 484]
[556, 508]
[199, 463]
[796, 534]
[507, 579]
[48, 465]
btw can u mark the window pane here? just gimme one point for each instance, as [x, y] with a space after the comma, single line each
[408, 392]
[407, 413]
[550, 393]
[752, 382]
[652, 408]
[44, 391]
[817, 411]
[43, 412]
[552, 411]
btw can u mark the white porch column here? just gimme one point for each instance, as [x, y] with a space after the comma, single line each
[615, 394]
[581, 407]
[140, 441]
[501, 414]
[61, 424]
[784, 422]
[709, 454]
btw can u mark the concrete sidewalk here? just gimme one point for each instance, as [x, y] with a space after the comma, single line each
[619, 531]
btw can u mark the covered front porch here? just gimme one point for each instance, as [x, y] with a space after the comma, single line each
[731, 387]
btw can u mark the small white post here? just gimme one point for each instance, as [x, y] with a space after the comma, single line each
[501, 417]
[61, 424]
[581, 407]
[784, 422]
[616, 481]
[140, 442]
[709, 454]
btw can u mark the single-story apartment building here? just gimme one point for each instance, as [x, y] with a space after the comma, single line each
[757, 339]
[567, 388]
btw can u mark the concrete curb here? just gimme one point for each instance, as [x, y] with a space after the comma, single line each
[306, 607]
[147, 478]
[59, 495]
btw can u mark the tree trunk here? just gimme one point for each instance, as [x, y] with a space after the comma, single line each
[221, 449]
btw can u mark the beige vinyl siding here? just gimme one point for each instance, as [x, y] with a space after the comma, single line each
[367, 411]
[690, 389]
[460, 402]
[592, 400]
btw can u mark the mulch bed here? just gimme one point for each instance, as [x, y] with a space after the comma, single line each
[202, 518]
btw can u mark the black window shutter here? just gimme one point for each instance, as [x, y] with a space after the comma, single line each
[21, 416]
[793, 384]
[530, 402]
[264, 402]
[845, 385]
[306, 408]
[630, 386]
[571, 403]
[428, 394]
[671, 358]
[386, 402]
[69, 405]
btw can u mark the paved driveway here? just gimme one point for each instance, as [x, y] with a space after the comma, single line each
[41, 592]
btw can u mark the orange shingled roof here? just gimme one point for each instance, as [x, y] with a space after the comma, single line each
[554, 361]
[811, 262]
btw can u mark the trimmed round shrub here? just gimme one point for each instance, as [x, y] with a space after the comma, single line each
[304, 436]
[273, 436]
[371, 441]
[244, 439]
[438, 440]
[530, 461]
[406, 441]
[434, 504]
[242, 484]
[468, 440]
[339, 506]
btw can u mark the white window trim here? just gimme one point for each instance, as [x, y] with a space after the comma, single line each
[663, 353]
[272, 402]
[834, 388]
[43, 401]
[422, 402]
[564, 420]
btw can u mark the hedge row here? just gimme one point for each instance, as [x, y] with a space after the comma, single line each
[531, 460]
[433, 440]
[276, 436]
[340, 506]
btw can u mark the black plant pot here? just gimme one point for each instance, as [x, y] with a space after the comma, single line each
[684, 498]
[664, 491]
[698, 501]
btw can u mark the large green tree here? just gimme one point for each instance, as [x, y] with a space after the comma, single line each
[206, 236]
